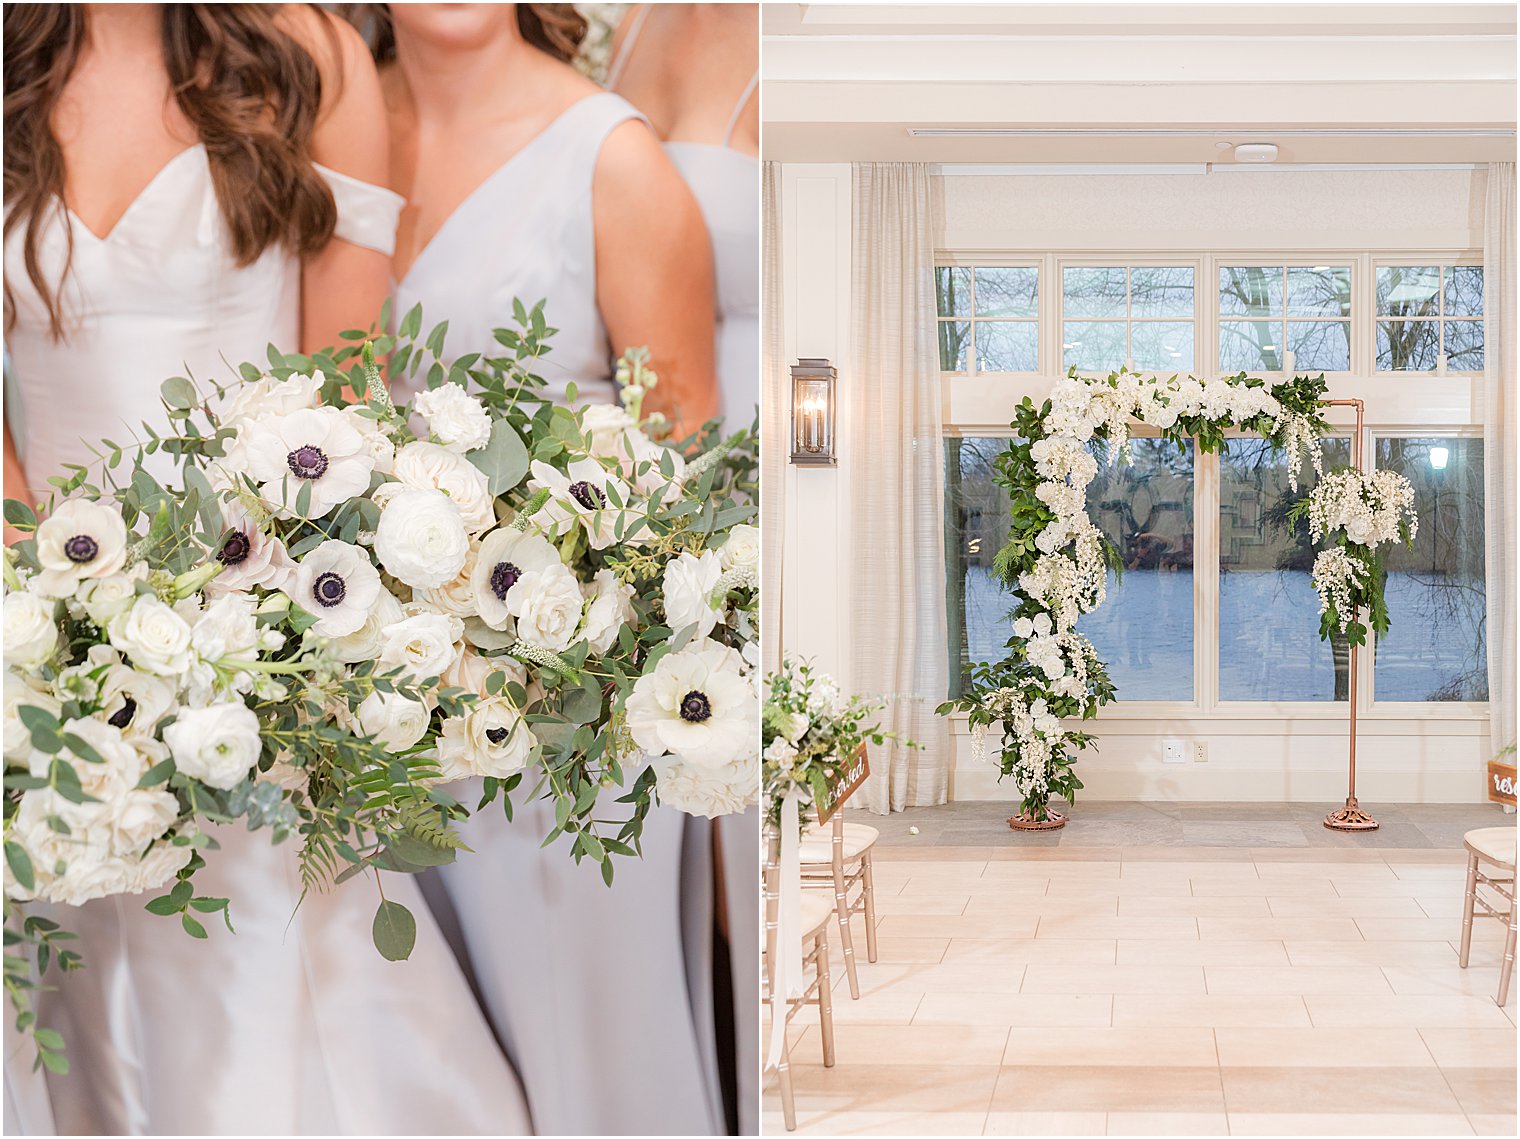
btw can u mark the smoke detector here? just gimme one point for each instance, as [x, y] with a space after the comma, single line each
[1256, 152]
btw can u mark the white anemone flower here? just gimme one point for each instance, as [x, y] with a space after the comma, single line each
[315, 447]
[696, 705]
[586, 493]
[505, 556]
[336, 583]
[78, 541]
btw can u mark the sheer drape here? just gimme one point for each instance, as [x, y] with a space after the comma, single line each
[1499, 446]
[776, 439]
[894, 445]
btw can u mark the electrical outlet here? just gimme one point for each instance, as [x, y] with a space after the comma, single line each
[1172, 752]
[1200, 752]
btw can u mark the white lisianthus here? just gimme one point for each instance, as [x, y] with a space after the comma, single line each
[396, 721]
[427, 466]
[689, 583]
[365, 641]
[491, 739]
[423, 644]
[586, 494]
[337, 584]
[271, 397]
[741, 549]
[454, 417]
[218, 744]
[610, 608]
[31, 632]
[314, 447]
[696, 705]
[153, 636]
[547, 604]
[505, 556]
[421, 538]
[249, 556]
[80, 540]
[707, 792]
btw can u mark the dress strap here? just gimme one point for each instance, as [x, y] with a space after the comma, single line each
[733, 119]
[367, 214]
[625, 53]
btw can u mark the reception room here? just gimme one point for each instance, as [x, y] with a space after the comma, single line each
[1140, 596]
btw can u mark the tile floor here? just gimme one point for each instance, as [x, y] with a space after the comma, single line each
[1119, 977]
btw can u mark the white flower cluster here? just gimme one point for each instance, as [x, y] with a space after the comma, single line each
[1066, 659]
[1370, 506]
[1339, 579]
[1030, 728]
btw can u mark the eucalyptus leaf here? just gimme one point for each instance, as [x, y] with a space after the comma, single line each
[394, 931]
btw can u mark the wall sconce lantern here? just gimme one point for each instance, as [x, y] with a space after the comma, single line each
[813, 413]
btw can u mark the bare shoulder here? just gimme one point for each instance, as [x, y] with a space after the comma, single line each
[340, 53]
[632, 158]
[351, 134]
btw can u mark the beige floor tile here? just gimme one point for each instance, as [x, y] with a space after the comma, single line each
[1389, 888]
[1411, 954]
[990, 977]
[921, 904]
[1277, 1089]
[866, 1044]
[1348, 1124]
[917, 851]
[878, 1008]
[1212, 871]
[1201, 953]
[1023, 1009]
[1129, 854]
[875, 1122]
[1430, 980]
[1430, 872]
[1108, 1088]
[929, 868]
[1065, 1046]
[1409, 929]
[1209, 1011]
[909, 949]
[1472, 1047]
[909, 1087]
[1074, 870]
[1278, 929]
[1492, 1124]
[1263, 888]
[1031, 951]
[1484, 1090]
[1139, 979]
[1167, 1123]
[960, 925]
[975, 887]
[1079, 926]
[1063, 853]
[1045, 1123]
[1446, 1010]
[1100, 905]
[1321, 1048]
[1354, 907]
[1139, 906]
[1295, 980]
[1351, 871]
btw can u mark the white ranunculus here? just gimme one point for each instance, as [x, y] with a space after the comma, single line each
[505, 556]
[454, 417]
[585, 494]
[396, 721]
[80, 540]
[547, 605]
[491, 739]
[31, 632]
[782, 752]
[364, 642]
[689, 583]
[427, 466]
[226, 628]
[219, 744]
[421, 538]
[707, 792]
[270, 397]
[456, 597]
[249, 556]
[741, 549]
[422, 644]
[337, 584]
[610, 608]
[314, 447]
[696, 705]
[153, 636]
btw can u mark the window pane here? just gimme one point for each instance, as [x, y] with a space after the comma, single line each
[1166, 291]
[952, 290]
[1269, 645]
[1435, 648]
[1007, 345]
[1161, 346]
[1464, 290]
[1319, 291]
[1093, 292]
[1408, 345]
[1093, 346]
[976, 524]
[1007, 292]
[1250, 345]
[1405, 290]
[1464, 345]
[954, 337]
[1144, 631]
[1250, 290]
[1320, 345]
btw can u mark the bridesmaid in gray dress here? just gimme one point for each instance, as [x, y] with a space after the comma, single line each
[524, 180]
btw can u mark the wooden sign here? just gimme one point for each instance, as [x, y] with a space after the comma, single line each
[848, 779]
[1501, 782]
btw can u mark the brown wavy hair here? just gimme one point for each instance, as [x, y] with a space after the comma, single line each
[249, 88]
[557, 29]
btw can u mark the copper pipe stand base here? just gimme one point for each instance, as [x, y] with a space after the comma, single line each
[1053, 820]
[1350, 818]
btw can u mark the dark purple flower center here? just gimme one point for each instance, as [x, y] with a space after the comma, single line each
[591, 497]
[123, 715]
[503, 577]
[81, 548]
[328, 590]
[307, 462]
[695, 707]
[235, 550]
[496, 735]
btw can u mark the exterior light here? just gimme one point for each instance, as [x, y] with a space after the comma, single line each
[813, 413]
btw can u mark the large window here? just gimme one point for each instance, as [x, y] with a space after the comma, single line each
[1143, 314]
[1427, 315]
[988, 318]
[1265, 310]
[976, 525]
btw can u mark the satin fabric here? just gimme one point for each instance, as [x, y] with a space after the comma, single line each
[295, 1025]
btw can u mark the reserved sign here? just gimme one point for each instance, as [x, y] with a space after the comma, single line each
[1501, 782]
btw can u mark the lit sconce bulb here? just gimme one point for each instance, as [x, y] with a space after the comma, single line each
[1438, 457]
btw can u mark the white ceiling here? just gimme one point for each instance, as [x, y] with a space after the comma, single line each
[847, 82]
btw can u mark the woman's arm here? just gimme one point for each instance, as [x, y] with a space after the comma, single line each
[654, 273]
[15, 484]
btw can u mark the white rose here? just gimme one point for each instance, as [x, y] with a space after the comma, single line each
[154, 636]
[365, 641]
[454, 417]
[18, 694]
[427, 466]
[472, 672]
[269, 396]
[741, 550]
[158, 867]
[105, 597]
[422, 645]
[610, 609]
[31, 633]
[395, 721]
[456, 597]
[708, 792]
[219, 745]
[491, 739]
[547, 604]
[421, 538]
[689, 583]
[139, 816]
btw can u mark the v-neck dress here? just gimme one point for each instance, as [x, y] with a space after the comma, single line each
[295, 1024]
[586, 985]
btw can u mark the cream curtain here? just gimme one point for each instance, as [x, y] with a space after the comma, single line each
[893, 444]
[775, 439]
[1499, 428]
